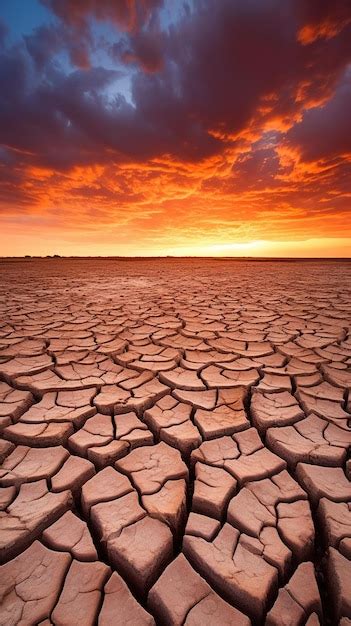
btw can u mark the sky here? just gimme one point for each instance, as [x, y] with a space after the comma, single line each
[166, 127]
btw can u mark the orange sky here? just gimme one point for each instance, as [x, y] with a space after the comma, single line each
[221, 129]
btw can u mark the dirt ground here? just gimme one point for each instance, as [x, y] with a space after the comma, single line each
[175, 442]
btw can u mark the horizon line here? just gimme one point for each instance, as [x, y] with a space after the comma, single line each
[29, 257]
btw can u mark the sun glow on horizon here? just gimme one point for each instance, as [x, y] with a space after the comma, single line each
[63, 244]
[314, 247]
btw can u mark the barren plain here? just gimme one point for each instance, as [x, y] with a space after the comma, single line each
[175, 442]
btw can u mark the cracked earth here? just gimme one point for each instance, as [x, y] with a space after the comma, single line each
[175, 443]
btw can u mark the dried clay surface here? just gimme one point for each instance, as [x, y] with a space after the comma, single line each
[175, 442]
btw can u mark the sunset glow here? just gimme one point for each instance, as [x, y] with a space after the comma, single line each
[150, 127]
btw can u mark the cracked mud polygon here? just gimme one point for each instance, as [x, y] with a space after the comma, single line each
[175, 442]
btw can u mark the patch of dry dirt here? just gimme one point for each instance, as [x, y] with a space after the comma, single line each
[175, 442]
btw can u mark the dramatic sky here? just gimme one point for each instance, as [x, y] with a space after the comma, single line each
[140, 127]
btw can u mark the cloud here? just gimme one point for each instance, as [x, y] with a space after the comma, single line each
[46, 41]
[236, 114]
[322, 18]
[144, 49]
[130, 15]
[223, 70]
[324, 133]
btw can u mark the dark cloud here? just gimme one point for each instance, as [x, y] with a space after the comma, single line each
[322, 18]
[146, 49]
[259, 168]
[46, 41]
[224, 70]
[42, 117]
[324, 133]
[130, 15]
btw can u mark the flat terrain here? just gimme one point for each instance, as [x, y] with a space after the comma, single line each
[175, 442]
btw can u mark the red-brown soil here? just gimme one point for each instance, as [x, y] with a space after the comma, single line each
[175, 442]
